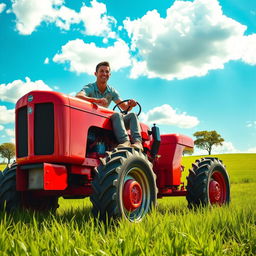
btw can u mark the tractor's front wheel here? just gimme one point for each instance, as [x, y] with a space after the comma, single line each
[9, 197]
[1, 176]
[12, 200]
[208, 183]
[124, 186]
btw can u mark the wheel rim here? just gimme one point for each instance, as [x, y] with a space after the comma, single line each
[132, 195]
[137, 203]
[217, 188]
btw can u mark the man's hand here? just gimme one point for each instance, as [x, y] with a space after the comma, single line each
[132, 103]
[127, 105]
[101, 101]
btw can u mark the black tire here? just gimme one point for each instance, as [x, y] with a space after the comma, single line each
[9, 197]
[5, 170]
[208, 183]
[1, 176]
[12, 200]
[124, 171]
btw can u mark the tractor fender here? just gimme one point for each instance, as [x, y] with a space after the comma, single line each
[167, 165]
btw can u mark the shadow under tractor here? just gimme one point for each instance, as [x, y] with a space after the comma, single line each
[65, 147]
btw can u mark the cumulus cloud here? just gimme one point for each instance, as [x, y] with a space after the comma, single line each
[31, 13]
[252, 150]
[249, 49]
[251, 124]
[82, 56]
[46, 61]
[10, 132]
[64, 17]
[7, 115]
[192, 39]
[227, 147]
[11, 92]
[2, 7]
[96, 21]
[166, 115]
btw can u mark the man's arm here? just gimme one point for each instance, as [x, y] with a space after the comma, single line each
[101, 101]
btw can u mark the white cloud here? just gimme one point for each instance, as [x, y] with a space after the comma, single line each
[72, 94]
[13, 91]
[81, 56]
[31, 13]
[251, 124]
[1, 127]
[96, 21]
[192, 39]
[2, 7]
[7, 115]
[166, 115]
[65, 17]
[252, 150]
[10, 132]
[249, 49]
[46, 61]
[227, 147]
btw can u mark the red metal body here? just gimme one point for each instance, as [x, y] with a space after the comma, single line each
[168, 164]
[68, 170]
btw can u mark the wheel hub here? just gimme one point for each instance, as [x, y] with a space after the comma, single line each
[132, 195]
[215, 191]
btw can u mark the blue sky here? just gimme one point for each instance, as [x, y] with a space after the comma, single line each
[190, 64]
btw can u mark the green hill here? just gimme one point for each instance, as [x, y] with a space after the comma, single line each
[171, 229]
[2, 166]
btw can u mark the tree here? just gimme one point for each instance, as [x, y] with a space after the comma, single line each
[206, 139]
[7, 150]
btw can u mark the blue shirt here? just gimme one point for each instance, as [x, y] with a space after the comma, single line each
[91, 90]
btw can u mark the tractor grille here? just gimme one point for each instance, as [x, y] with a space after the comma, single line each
[22, 132]
[44, 129]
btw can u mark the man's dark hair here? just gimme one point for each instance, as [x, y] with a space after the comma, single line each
[103, 63]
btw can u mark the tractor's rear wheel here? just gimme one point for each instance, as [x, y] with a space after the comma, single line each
[124, 186]
[12, 200]
[208, 183]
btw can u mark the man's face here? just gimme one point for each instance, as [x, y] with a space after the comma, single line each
[103, 74]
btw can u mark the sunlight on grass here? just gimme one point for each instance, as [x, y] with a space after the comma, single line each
[171, 228]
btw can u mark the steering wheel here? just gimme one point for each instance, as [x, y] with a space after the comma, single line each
[126, 111]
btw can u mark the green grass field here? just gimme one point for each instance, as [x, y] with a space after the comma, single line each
[171, 229]
[2, 166]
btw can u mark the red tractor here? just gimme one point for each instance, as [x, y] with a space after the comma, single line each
[66, 147]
